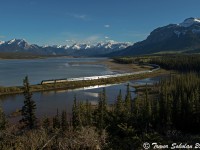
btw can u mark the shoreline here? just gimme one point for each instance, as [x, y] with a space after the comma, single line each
[119, 68]
[108, 63]
[79, 84]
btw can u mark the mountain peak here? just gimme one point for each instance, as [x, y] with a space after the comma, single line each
[183, 37]
[17, 41]
[189, 22]
[2, 42]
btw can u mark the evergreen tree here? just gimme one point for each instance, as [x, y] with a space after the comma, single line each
[119, 104]
[88, 113]
[102, 110]
[127, 101]
[75, 114]
[56, 121]
[46, 123]
[28, 110]
[147, 109]
[64, 123]
[104, 100]
[3, 120]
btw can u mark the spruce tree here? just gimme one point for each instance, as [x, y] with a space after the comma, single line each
[29, 119]
[127, 101]
[119, 103]
[46, 123]
[88, 113]
[104, 100]
[64, 123]
[100, 121]
[147, 110]
[3, 120]
[56, 121]
[75, 114]
[102, 109]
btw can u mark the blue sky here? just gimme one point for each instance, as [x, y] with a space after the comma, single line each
[64, 21]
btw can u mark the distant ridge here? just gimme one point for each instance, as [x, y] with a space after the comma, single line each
[77, 49]
[183, 37]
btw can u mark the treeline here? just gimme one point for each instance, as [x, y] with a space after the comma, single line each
[180, 62]
[179, 103]
[58, 132]
[131, 60]
[167, 112]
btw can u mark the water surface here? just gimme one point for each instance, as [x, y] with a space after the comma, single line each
[12, 72]
[48, 102]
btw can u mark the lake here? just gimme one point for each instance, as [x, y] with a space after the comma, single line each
[12, 72]
[48, 102]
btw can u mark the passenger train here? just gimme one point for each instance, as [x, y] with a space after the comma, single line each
[53, 81]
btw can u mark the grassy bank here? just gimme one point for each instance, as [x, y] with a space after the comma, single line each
[79, 84]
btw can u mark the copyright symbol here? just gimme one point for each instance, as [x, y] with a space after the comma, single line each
[146, 145]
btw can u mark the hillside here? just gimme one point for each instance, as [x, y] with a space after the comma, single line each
[183, 37]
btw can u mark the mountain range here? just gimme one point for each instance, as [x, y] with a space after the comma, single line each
[77, 49]
[183, 37]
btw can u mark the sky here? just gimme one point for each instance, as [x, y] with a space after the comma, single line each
[61, 22]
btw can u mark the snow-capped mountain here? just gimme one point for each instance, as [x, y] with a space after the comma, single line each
[80, 46]
[113, 45]
[2, 42]
[183, 37]
[98, 49]
[17, 45]
[189, 22]
[77, 49]
[83, 49]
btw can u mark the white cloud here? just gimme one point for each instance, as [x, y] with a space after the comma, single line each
[107, 26]
[73, 37]
[71, 41]
[79, 16]
[92, 38]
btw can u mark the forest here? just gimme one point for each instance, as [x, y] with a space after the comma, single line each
[177, 62]
[165, 112]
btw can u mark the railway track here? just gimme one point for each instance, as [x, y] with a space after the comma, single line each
[155, 68]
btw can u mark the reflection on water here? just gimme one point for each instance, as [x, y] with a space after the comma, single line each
[12, 72]
[92, 94]
[48, 102]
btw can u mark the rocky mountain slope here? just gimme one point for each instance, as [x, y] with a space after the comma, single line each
[183, 37]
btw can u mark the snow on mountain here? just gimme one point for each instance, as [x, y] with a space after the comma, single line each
[12, 41]
[56, 46]
[77, 49]
[45, 46]
[173, 37]
[80, 46]
[189, 22]
[113, 45]
[66, 46]
[2, 42]
[99, 45]
[19, 42]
